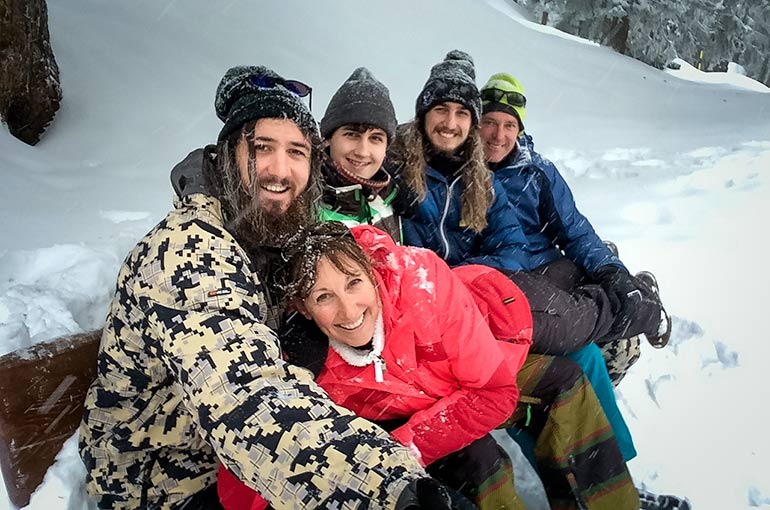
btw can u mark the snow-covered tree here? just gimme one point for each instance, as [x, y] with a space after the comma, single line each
[655, 31]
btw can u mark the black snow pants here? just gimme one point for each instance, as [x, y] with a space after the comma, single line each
[569, 311]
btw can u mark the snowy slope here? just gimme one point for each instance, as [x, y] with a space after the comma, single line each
[674, 170]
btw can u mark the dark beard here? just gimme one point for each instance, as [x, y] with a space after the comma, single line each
[252, 223]
[266, 225]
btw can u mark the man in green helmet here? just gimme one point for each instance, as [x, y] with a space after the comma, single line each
[562, 244]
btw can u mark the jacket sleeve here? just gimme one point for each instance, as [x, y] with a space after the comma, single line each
[266, 420]
[573, 232]
[502, 244]
[486, 392]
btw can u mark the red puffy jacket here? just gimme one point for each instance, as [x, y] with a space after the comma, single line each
[444, 369]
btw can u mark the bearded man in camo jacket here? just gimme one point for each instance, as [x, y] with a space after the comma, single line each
[190, 373]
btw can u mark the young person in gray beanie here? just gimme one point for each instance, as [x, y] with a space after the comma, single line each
[190, 373]
[441, 159]
[358, 126]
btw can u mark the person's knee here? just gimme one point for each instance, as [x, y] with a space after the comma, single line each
[563, 374]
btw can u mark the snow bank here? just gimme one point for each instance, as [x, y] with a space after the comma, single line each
[53, 291]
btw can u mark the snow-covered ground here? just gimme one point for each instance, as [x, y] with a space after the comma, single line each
[673, 166]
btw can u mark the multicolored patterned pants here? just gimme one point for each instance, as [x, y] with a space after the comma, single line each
[576, 454]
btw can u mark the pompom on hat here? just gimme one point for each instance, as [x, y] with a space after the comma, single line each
[362, 99]
[504, 93]
[453, 79]
[248, 93]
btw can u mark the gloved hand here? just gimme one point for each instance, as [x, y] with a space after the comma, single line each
[406, 202]
[624, 296]
[429, 494]
[619, 287]
[189, 175]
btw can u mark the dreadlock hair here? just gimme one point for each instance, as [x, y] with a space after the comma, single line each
[309, 245]
[477, 196]
[245, 218]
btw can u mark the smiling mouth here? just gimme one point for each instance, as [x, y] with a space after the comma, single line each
[358, 164]
[275, 188]
[353, 325]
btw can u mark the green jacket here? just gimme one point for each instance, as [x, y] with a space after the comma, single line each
[354, 204]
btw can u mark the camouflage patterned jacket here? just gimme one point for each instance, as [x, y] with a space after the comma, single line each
[191, 375]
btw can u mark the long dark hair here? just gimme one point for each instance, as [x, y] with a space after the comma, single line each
[477, 195]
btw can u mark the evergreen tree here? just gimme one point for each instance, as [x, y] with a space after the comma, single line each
[655, 31]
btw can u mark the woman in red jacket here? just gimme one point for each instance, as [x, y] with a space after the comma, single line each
[397, 318]
[399, 322]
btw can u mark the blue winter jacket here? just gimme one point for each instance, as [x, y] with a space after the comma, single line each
[436, 226]
[548, 214]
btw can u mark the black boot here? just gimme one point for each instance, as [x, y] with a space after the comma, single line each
[663, 335]
[652, 501]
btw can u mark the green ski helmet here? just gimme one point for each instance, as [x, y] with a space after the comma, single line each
[504, 93]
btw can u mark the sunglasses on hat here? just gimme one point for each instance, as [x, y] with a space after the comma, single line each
[296, 87]
[510, 98]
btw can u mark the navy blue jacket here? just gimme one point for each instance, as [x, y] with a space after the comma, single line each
[436, 225]
[548, 214]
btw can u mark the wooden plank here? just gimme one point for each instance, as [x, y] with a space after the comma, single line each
[42, 389]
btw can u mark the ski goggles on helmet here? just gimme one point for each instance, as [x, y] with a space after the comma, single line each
[504, 96]
[296, 87]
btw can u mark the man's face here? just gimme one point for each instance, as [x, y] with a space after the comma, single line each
[279, 156]
[499, 131]
[360, 152]
[447, 126]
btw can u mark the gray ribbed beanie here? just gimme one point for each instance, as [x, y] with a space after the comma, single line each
[453, 79]
[362, 99]
[241, 99]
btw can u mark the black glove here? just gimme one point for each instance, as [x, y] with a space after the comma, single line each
[429, 494]
[619, 287]
[406, 202]
[623, 294]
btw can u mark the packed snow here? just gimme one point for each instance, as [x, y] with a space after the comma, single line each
[672, 166]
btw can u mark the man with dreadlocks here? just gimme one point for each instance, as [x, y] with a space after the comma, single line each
[189, 371]
[463, 214]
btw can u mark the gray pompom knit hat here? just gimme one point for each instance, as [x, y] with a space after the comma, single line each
[248, 93]
[453, 79]
[362, 99]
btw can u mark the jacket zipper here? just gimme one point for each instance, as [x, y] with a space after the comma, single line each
[379, 369]
[443, 218]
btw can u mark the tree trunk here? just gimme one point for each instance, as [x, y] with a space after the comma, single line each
[616, 34]
[29, 81]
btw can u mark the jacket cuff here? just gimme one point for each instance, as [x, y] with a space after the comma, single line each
[405, 436]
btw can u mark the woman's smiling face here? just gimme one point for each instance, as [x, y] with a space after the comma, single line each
[344, 306]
